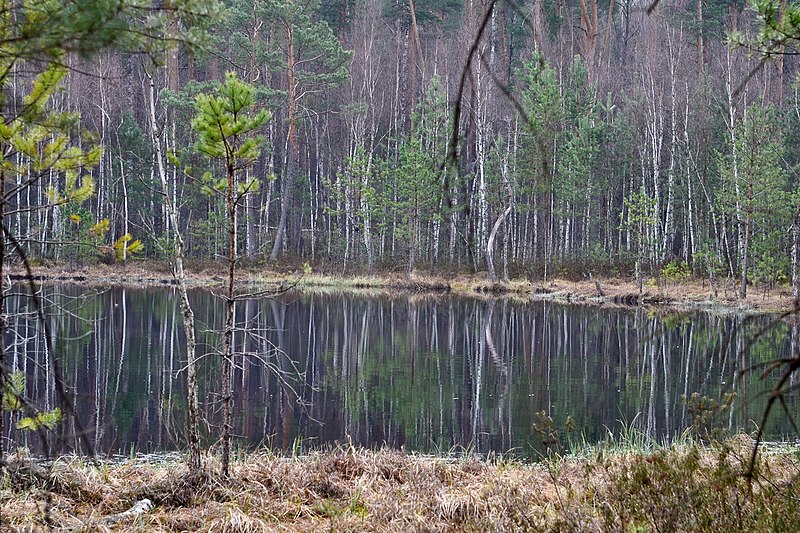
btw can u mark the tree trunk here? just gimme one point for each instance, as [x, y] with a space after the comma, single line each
[227, 354]
[365, 214]
[192, 429]
[795, 253]
[490, 243]
[668, 236]
[293, 155]
[746, 243]
[689, 182]
[4, 374]
[740, 241]
[700, 42]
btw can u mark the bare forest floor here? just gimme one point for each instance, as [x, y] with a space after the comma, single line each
[687, 294]
[682, 487]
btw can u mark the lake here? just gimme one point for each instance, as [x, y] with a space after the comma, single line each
[432, 374]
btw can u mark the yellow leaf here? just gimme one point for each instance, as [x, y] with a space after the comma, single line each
[101, 228]
[135, 247]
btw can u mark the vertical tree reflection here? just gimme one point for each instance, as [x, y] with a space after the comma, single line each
[421, 372]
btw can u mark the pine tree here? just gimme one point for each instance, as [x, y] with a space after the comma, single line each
[226, 128]
[36, 37]
[542, 102]
[756, 194]
[313, 60]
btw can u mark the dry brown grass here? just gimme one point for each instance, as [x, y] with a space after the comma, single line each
[689, 293]
[679, 488]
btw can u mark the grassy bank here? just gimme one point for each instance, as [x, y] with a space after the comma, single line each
[682, 487]
[688, 293]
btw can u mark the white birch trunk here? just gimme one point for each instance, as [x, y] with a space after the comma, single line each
[180, 276]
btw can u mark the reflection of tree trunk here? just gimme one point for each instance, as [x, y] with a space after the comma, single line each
[98, 394]
[487, 331]
[467, 383]
[251, 323]
[651, 407]
[122, 352]
[363, 353]
[311, 374]
[478, 386]
[498, 361]
[266, 396]
[285, 411]
[167, 371]
[666, 346]
[687, 366]
[740, 343]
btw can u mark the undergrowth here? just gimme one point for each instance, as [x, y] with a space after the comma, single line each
[687, 485]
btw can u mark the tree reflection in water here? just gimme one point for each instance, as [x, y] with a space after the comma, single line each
[428, 373]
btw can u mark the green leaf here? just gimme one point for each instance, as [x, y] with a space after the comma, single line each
[45, 419]
[13, 391]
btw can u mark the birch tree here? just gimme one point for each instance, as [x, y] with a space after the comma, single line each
[179, 274]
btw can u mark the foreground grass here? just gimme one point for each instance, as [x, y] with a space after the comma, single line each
[685, 487]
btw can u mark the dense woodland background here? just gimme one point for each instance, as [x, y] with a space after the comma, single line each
[591, 136]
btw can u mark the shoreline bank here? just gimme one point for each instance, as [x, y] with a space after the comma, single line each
[686, 295]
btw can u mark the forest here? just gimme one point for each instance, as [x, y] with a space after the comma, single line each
[512, 141]
[522, 139]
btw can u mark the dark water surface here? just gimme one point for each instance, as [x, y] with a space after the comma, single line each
[428, 374]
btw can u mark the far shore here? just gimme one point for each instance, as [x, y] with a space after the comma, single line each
[684, 295]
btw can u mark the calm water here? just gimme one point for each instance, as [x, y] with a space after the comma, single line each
[425, 373]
